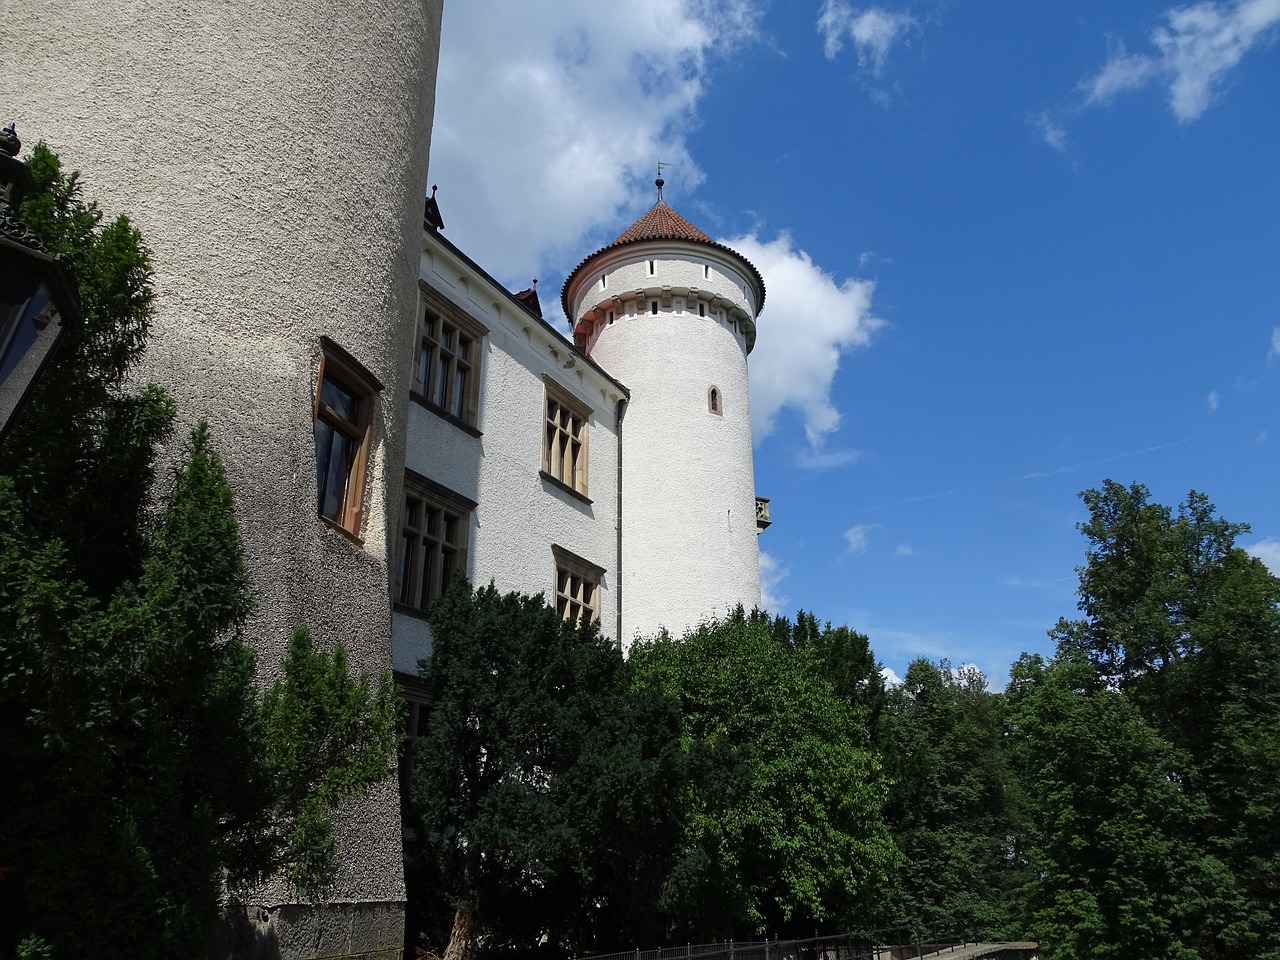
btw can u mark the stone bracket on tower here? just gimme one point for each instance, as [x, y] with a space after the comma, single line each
[762, 514]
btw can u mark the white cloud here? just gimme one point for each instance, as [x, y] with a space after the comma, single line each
[858, 537]
[808, 322]
[1214, 400]
[1268, 551]
[1049, 129]
[904, 550]
[821, 458]
[772, 573]
[1195, 48]
[545, 137]
[1275, 343]
[550, 117]
[874, 31]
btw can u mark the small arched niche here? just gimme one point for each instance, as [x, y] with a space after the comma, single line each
[715, 400]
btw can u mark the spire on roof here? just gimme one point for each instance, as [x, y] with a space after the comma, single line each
[659, 182]
[431, 219]
[530, 299]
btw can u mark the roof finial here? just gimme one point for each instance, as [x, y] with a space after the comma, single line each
[659, 182]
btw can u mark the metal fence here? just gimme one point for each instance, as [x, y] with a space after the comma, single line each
[891, 943]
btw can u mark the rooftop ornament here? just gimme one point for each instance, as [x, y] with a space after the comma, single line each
[38, 299]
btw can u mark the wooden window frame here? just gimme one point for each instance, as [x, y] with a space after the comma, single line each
[422, 548]
[342, 370]
[433, 358]
[566, 424]
[577, 585]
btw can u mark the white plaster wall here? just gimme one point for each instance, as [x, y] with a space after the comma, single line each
[274, 156]
[519, 514]
[624, 274]
[689, 532]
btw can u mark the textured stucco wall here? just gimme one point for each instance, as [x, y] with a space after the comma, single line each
[689, 532]
[520, 515]
[274, 156]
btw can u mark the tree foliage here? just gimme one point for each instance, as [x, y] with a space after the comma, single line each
[538, 797]
[1175, 666]
[952, 804]
[143, 766]
[1110, 871]
[781, 797]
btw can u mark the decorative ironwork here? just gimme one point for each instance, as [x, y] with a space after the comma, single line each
[15, 181]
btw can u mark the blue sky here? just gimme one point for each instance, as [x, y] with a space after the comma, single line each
[1011, 249]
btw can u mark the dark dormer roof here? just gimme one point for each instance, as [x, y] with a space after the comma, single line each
[431, 219]
[660, 223]
[529, 298]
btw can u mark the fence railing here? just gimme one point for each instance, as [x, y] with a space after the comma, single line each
[889, 943]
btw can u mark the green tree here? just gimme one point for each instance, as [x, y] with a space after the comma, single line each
[1186, 625]
[1113, 878]
[781, 800]
[844, 657]
[950, 805]
[540, 795]
[142, 765]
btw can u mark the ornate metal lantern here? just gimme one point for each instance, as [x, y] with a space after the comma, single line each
[37, 295]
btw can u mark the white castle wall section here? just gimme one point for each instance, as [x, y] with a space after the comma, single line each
[519, 514]
[689, 531]
[274, 156]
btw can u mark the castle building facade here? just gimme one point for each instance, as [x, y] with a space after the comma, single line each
[611, 473]
[387, 412]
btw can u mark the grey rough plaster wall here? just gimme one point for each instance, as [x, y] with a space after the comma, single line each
[274, 156]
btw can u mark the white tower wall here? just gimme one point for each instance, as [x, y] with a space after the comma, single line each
[274, 156]
[688, 527]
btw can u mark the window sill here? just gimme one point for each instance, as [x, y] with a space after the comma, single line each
[335, 526]
[409, 611]
[561, 485]
[444, 414]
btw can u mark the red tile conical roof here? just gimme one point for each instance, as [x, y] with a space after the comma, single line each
[660, 223]
[663, 223]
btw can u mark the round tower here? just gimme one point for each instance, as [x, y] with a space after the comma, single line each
[274, 157]
[672, 314]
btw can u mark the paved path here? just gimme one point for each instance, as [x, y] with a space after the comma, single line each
[975, 951]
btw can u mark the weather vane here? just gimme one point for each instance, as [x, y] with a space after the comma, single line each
[658, 183]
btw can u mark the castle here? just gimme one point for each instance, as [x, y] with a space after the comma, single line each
[387, 412]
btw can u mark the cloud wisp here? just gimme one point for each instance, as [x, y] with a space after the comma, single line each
[810, 321]
[858, 537]
[1268, 551]
[874, 32]
[772, 573]
[1196, 47]
[1072, 467]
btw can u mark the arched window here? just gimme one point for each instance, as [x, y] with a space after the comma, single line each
[715, 403]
